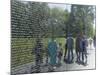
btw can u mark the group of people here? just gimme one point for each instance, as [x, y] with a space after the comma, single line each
[74, 49]
[80, 49]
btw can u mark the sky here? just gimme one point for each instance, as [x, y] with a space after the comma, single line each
[63, 6]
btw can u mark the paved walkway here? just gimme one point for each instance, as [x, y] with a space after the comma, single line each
[64, 67]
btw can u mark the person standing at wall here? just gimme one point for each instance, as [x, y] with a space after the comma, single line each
[70, 46]
[77, 46]
[59, 53]
[52, 50]
[84, 50]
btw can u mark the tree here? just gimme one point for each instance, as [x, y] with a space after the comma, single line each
[58, 17]
[81, 19]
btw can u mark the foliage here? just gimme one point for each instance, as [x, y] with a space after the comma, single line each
[81, 20]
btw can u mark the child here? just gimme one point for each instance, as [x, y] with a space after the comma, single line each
[60, 53]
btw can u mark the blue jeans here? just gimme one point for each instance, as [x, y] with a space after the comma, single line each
[70, 55]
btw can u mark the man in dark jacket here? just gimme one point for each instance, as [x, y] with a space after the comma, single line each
[78, 39]
[70, 45]
[84, 50]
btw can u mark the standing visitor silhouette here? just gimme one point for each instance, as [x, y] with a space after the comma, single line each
[84, 50]
[52, 50]
[70, 46]
[78, 48]
[59, 53]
